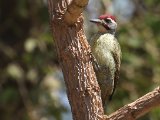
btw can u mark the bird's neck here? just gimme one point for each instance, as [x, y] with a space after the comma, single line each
[104, 30]
[112, 32]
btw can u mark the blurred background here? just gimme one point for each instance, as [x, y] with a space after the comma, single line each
[31, 81]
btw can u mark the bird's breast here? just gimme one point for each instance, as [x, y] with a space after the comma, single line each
[103, 48]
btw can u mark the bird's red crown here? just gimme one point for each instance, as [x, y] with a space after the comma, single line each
[107, 16]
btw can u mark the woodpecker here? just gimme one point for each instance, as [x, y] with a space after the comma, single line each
[106, 53]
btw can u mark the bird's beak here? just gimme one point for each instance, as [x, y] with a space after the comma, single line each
[95, 20]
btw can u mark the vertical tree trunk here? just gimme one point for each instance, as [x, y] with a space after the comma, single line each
[74, 56]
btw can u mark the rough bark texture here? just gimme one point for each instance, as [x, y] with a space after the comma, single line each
[138, 108]
[74, 56]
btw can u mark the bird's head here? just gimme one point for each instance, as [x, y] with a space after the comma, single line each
[105, 23]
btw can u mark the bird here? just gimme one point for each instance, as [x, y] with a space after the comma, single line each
[106, 53]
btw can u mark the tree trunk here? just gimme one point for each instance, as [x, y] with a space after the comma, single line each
[75, 59]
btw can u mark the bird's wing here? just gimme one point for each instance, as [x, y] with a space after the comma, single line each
[117, 58]
[92, 43]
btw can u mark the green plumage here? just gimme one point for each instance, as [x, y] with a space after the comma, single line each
[107, 53]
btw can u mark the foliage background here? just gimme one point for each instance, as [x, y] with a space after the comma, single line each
[31, 81]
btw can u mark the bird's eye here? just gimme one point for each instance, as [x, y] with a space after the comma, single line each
[107, 20]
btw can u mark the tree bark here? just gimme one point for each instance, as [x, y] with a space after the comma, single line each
[75, 59]
[138, 108]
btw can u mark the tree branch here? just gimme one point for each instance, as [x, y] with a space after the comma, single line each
[74, 10]
[138, 108]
